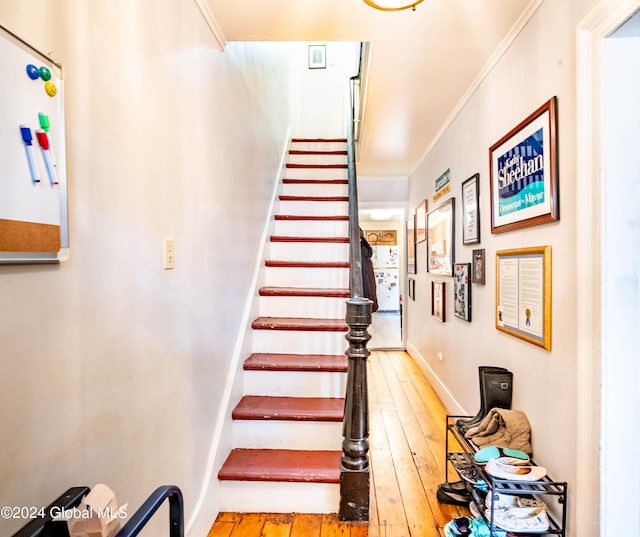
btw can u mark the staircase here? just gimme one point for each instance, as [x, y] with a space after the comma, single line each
[288, 425]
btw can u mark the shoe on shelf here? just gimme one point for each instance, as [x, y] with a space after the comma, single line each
[521, 519]
[503, 468]
[509, 501]
[487, 453]
[451, 496]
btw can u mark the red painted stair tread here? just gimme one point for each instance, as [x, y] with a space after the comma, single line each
[313, 198]
[304, 291]
[282, 465]
[300, 323]
[287, 238]
[264, 361]
[316, 152]
[306, 264]
[291, 165]
[309, 217]
[258, 407]
[319, 140]
[315, 181]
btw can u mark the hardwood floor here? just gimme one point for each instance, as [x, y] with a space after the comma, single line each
[407, 453]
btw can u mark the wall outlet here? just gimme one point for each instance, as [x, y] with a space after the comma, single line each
[440, 357]
[169, 253]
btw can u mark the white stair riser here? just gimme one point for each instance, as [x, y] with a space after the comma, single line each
[268, 497]
[307, 189]
[318, 159]
[314, 208]
[272, 434]
[306, 277]
[298, 342]
[316, 173]
[308, 251]
[319, 146]
[302, 306]
[312, 228]
[295, 384]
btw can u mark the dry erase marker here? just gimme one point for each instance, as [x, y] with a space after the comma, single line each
[43, 140]
[27, 139]
[45, 126]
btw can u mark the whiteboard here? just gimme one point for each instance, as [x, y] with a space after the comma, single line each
[33, 183]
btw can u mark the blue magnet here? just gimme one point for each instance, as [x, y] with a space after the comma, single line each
[33, 72]
[45, 74]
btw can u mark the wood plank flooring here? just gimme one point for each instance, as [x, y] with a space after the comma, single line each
[407, 453]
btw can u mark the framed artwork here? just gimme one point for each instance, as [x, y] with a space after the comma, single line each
[523, 167]
[523, 294]
[411, 244]
[317, 56]
[471, 210]
[441, 238]
[438, 300]
[478, 266]
[421, 221]
[411, 284]
[462, 291]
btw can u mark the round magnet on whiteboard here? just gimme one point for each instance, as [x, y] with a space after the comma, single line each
[33, 72]
[51, 89]
[45, 74]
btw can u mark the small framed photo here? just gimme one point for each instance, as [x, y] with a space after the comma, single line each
[471, 210]
[462, 291]
[523, 168]
[441, 238]
[317, 56]
[411, 283]
[411, 244]
[421, 221]
[478, 266]
[438, 300]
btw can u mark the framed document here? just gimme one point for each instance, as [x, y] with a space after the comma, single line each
[438, 300]
[524, 173]
[421, 221]
[471, 210]
[462, 291]
[411, 244]
[523, 294]
[440, 238]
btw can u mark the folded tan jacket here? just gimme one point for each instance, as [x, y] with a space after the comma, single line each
[502, 428]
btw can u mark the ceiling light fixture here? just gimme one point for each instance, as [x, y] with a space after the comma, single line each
[393, 5]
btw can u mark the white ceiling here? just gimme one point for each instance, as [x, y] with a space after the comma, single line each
[422, 63]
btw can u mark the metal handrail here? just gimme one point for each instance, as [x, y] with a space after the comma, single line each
[176, 512]
[354, 465]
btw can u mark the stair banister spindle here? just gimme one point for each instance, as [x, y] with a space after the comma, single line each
[354, 475]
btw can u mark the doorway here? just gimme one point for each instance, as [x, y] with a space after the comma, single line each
[608, 299]
[385, 235]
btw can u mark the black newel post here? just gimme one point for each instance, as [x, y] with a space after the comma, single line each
[354, 474]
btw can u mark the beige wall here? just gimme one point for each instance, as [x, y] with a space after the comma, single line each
[539, 64]
[112, 368]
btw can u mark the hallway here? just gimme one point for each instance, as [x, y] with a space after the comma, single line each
[407, 460]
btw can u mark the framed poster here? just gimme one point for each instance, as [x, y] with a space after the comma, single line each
[462, 291]
[317, 56]
[438, 300]
[441, 238]
[421, 221]
[523, 294]
[471, 210]
[478, 266]
[524, 173]
[411, 244]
